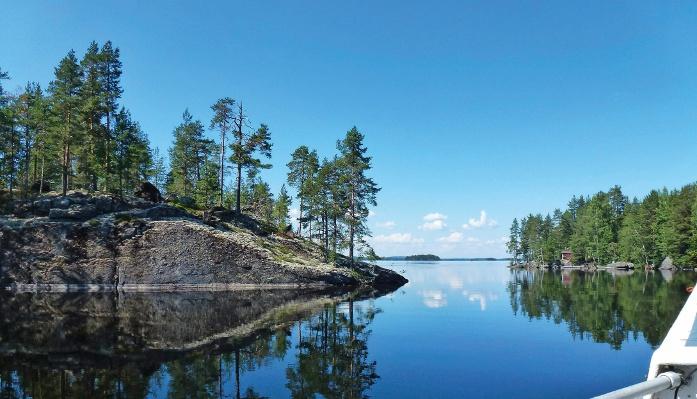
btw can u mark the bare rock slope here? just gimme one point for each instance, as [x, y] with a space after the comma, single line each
[100, 242]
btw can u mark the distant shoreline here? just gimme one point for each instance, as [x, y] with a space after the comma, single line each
[403, 258]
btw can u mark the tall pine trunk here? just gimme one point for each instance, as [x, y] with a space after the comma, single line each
[351, 225]
[41, 181]
[27, 163]
[325, 222]
[65, 169]
[334, 238]
[240, 137]
[300, 219]
[66, 156]
[222, 162]
[238, 210]
[12, 159]
[107, 144]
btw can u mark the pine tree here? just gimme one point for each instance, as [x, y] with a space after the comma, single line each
[45, 166]
[361, 191]
[92, 98]
[110, 78]
[208, 186]
[222, 120]
[10, 141]
[3, 76]
[28, 126]
[132, 153]
[327, 203]
[65, 96]
[5, 130]
[187, 156]
[513, 245]
[245, 148]
[302, 168]
[281, 210]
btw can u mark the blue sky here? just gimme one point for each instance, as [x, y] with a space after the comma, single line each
[501, 107]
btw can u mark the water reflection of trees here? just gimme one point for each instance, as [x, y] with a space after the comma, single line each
[326, 355]
[602, 306]
[332, 355]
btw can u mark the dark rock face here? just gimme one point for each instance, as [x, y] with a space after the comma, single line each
[148, 192]
[92, 242]
[38, 186]
[74, 212]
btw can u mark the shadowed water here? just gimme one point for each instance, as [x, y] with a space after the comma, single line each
[447, 333]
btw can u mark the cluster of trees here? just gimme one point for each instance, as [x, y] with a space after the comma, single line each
[78, 136]
[334, 195]
[197, 164]
[75, 134]
[609, 227]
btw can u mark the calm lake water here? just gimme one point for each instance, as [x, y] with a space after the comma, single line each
[458, 329]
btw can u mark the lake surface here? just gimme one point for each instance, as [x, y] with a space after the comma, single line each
[458, 329]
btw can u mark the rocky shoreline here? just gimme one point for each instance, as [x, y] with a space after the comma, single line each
[82, 242]
[667, 264]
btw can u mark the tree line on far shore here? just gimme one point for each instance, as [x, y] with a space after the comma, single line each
[77, 135]
[608, 227]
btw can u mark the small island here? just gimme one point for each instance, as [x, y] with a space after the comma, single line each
[88, 203]
[425, 257]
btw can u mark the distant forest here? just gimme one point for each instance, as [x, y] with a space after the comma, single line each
[609, 227]
[427, 257]
[76, 135]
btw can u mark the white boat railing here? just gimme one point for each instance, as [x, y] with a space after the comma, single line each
[664, 381]
[672, 364]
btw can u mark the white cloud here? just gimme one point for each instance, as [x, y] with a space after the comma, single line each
[434, 216]
[452, 237]
[434, 298]
[398, 238]
[386, 225]
[372, 213]
[483, 221]
[434, 221]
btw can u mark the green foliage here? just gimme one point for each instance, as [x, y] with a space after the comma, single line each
[208, 186]
[608, 227]
[187, 156]
[77, 136]
[360, 190]
[222, 120]
[132, 151]
[247, 150]
[334, 195]
[424, 257]
[370, 255]
[65, 91]
[281, 210]
[302, 169]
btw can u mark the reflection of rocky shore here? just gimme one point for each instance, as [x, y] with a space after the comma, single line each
[184, 345]
[111, 328]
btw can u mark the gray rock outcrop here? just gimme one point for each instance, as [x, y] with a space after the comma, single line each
[667, 264]
[104, 243]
